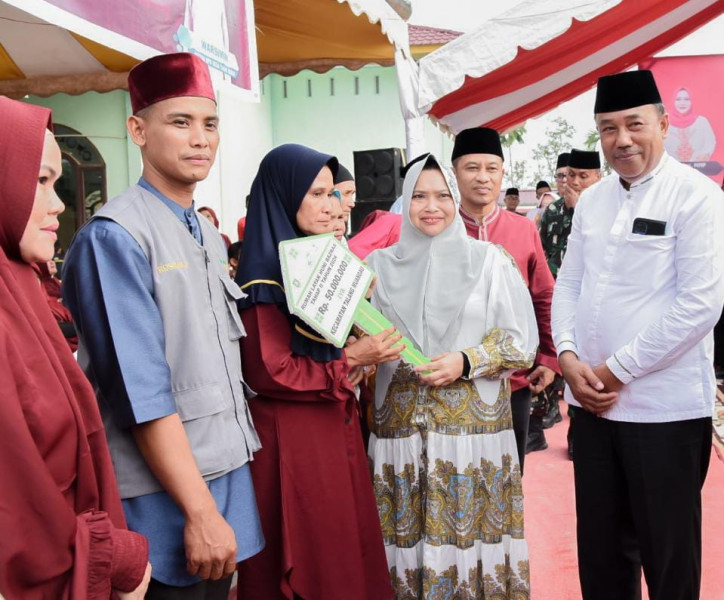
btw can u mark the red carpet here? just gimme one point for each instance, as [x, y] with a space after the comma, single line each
[550, 519]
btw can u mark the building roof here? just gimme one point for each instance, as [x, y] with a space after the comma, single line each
[421, 35]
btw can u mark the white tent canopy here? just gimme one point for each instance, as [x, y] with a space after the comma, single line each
[541, 53]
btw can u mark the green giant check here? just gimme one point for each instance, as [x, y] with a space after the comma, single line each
[325, 286]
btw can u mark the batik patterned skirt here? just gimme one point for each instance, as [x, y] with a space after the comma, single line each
[448, 488]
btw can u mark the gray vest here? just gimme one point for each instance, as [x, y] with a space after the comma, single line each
[197, 301]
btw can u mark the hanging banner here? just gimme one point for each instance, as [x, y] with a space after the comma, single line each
[692, 95]
[221, 32]
[325, 285]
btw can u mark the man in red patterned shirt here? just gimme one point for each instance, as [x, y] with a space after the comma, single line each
[478, 164]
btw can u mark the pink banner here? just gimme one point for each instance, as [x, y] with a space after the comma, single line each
[217, 30]
[692, 90]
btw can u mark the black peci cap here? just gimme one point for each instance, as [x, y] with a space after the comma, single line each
[563, 159]
[477, 140]
[626, 90]
[582, 159]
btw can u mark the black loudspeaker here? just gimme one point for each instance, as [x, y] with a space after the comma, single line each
[377, 174]
[362, 209]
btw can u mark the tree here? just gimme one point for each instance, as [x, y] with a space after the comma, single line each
[516, 171]
[592, 139]
[516, 175]
[559, 139]
[514, 136]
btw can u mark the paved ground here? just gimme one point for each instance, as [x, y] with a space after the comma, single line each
[551, 523]
[719, 422]
[551, 527]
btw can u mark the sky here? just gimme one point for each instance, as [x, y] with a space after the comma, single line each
[460, 15]
[466, 15]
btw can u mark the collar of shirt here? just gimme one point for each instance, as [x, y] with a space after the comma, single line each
[482, 224]
[648, 178]
[474, 221]
[186, 215]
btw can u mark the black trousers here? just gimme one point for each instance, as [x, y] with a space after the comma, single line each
[638, 504]
[204, 590]
[719, 342]
[520, 407]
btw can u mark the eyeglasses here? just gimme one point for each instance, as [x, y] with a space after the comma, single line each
[561, 175]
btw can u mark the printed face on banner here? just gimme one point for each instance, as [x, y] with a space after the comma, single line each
[692, 98]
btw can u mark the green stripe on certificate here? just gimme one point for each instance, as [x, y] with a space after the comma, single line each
[372, 322]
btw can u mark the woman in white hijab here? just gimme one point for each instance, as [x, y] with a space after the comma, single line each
[446, 471]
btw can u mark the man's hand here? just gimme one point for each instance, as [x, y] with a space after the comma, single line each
[374, 349]
[209, 540]
[610, 382]
[445, 368]
[585, 385]
[210, 545]
[570, 196]
[540, 378]
[140, 592]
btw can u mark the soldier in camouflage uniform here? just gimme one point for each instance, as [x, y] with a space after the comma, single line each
[555, 225]
[543, 413]
[584, 169]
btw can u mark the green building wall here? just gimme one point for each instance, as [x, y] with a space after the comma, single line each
[341, 111]
[337, 112]
[102, 119]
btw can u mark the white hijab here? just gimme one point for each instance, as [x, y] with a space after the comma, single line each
[424, 282]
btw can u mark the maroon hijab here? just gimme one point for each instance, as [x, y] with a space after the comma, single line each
[60, 512]
[50, 283]
[215, 220]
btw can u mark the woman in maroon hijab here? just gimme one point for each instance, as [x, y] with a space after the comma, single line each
[210, 214]
[63, 534]
[50, 286]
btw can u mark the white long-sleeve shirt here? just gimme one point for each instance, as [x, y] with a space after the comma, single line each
[646, 304]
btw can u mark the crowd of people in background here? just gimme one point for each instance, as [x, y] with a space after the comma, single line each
[205, 430]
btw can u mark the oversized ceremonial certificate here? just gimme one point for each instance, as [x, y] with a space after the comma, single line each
[325, 286]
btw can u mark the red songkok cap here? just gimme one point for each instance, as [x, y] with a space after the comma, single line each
[169, 76]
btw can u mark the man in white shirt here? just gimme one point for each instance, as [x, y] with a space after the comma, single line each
[636, 298]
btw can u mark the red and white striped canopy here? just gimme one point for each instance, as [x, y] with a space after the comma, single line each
[543, 52]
